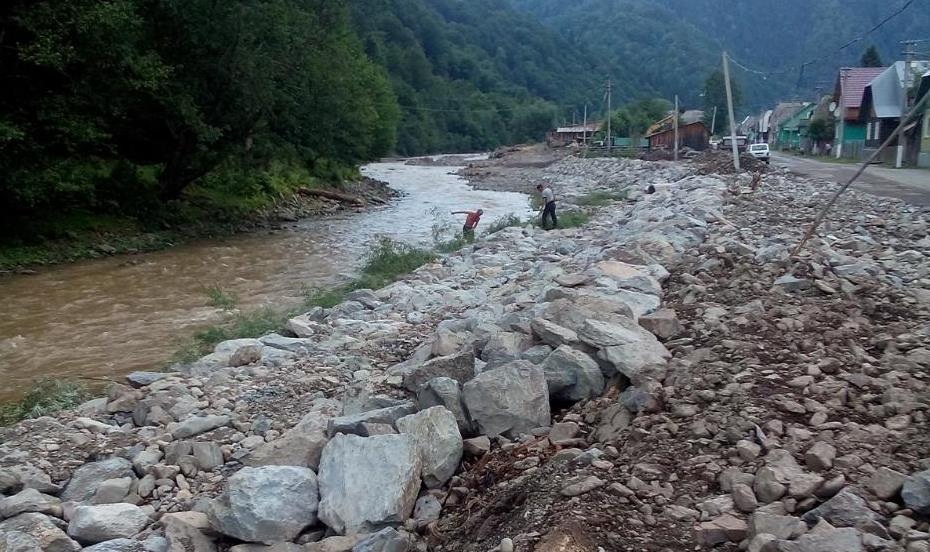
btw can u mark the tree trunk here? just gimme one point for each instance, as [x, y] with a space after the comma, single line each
[330, 194]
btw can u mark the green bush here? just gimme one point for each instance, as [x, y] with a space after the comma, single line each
[600, 198]
[46, 396]
[220, 298]
[505, 221]
[573, 219]
[389, 260]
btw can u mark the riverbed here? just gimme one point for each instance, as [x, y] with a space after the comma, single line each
[105, 318]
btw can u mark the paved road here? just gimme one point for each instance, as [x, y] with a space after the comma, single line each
[910, 185]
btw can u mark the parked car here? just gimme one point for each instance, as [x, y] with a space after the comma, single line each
[760, 151]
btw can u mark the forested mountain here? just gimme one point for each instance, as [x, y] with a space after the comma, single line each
[473, 74]
[672, 45]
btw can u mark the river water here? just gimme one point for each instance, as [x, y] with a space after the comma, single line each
[105, 318]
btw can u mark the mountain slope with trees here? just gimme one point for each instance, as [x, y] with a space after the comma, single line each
[677, 43]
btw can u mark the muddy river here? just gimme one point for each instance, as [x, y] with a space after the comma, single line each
[105, 318]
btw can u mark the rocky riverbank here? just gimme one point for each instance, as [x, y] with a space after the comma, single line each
[663, 378]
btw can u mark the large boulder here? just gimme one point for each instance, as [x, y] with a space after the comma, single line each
[267, 504]
[459, 366]
[301, 445]
[87, 479]
[627, 348]
[385, 540]
[446, 392]
[195, 425]
[353, 467]
[627, 276]
[438, 440]
[17, 541]
[845, 509]
[117, 545]
[916, 492]
[552, 334]
[48, 536]
[504, 347]
[663, 323]
[103, 522]
[509, 400]
[356, 424]
[572, 375]
[187, 532]
[29, 500]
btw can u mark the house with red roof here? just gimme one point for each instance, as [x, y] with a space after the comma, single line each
[850, 137]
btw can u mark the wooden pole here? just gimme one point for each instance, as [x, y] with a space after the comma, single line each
[862, 167]
[610, 140]
[584, 133]
[726, 78]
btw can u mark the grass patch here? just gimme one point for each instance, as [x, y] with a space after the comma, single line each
[567, 219]
[389, 260]
[600, 198]
[46, 396]
[505, 221]
[219, 298]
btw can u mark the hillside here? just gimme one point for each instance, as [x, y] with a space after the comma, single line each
[466, 81]
[681, 40]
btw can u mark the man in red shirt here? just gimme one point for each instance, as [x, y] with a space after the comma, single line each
[471, 222]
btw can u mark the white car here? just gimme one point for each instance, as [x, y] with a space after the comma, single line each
[760, 151]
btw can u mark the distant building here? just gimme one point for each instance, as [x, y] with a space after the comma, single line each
[692, 135]
[850, 86]
[883, 104]
[575, 134]
[782, 112]
[793, 131]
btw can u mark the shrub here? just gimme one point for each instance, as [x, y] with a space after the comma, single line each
[505, 221]
[46, 396]
[600, 198]
[220, 298]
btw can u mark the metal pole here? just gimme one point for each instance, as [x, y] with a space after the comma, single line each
[726, 78]
[675, 115]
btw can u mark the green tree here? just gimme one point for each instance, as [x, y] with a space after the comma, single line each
[715, 96]
[821, 129]
[632, 120]
[871, 58]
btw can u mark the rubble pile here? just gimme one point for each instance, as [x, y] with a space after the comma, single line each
[664, 377]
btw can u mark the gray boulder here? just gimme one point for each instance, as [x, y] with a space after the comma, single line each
[267, 504]
[195, 425]
[552, 334]
[48, 536]
[103, 522]
[187, 532]
[294, 345]
[447, 393]
[87, 479]
[572, 375]
[628, 349]
[828, 540]
[355, 424]
[353, 466]
[509, 400]
[504, 347]
[17, 541]
[385, 540]
[439, 442]
[117, 545]
[663, 323]
[26, 476]
[845, 509]
[301, 445]
[459, 366]
[141, 379]
[29, 500]
[916, 492]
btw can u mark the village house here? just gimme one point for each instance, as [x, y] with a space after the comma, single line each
[575, 134]
[883, 102]
[782, 112]
[792, 132]
[692, 132]
[849, 137]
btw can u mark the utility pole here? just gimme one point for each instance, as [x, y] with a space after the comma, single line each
[844, 74]
[610, 139]
[726, 78]
[713, 122]
[676, 126]
[909, 54]
[584, 130]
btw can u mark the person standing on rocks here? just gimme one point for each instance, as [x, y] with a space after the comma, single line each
[548, 209]
[471, 222]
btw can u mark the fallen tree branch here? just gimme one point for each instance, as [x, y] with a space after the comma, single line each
[331, 194]
[865, 164]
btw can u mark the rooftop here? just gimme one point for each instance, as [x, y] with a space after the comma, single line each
[851, 83]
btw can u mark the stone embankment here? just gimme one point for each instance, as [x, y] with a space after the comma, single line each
[665, 377]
